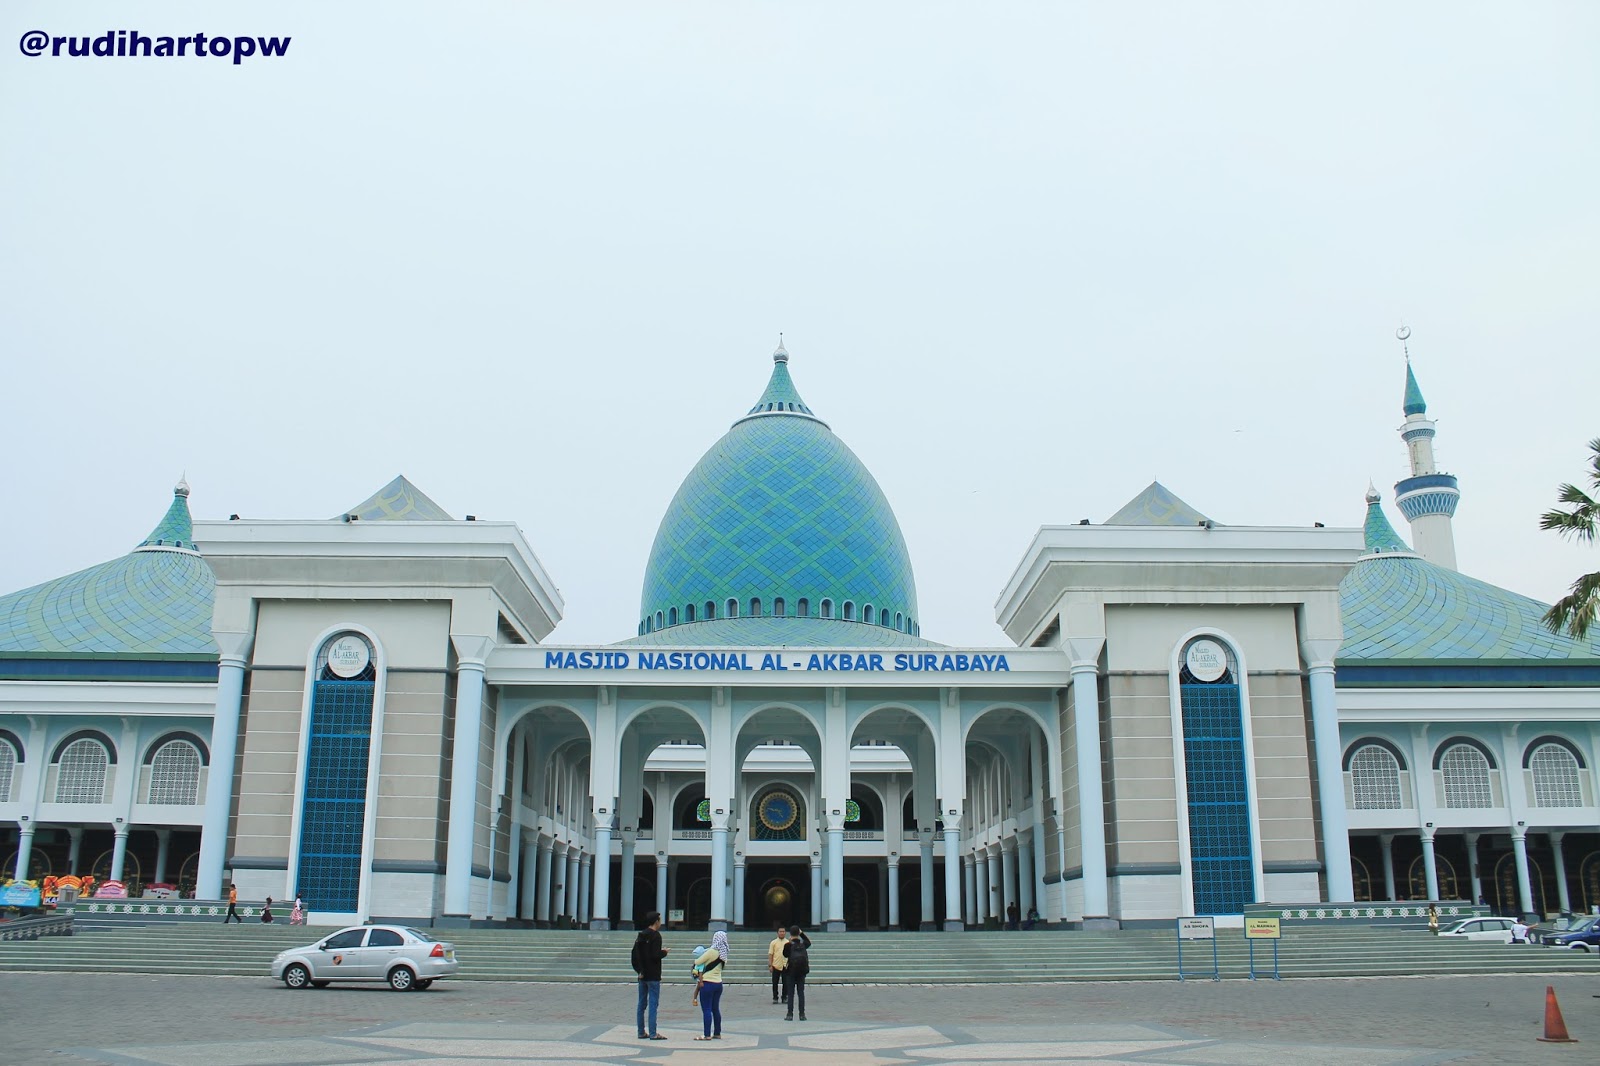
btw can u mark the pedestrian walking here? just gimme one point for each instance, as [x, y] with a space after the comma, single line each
[647, 955]
[297, 916]
[708, 985]
[266, 912]
[1013, 915]
[233, 905]
[797, 963]
[776, 961]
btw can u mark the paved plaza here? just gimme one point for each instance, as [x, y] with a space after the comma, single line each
[178, 1021]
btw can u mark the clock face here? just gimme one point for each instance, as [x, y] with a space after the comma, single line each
[778, 811]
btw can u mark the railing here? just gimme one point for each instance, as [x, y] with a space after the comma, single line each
[34, 928]
[863, 834]
[691, 834]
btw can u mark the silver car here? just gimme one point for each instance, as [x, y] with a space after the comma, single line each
[406, 959]
[1481, 929]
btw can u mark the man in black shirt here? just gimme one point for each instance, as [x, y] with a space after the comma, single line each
[647, 956]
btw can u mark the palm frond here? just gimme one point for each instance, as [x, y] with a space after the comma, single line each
[1580, 522]
[1575, 612]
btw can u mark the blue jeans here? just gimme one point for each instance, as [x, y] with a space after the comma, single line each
[649, 994]
[711, 1007]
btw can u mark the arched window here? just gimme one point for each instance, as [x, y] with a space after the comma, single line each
[81, 772]
[649, 625]
[711, 609]
[755, 607]
[803, 608]
[827, 608]
[1375, 778]
[883, 618]
[866, 614]
[672, 616]
[849, 611]
[175, 773]
[659, 620]
[1466, 777]
[1556, 780]
[688, 613]
[899, 621]
[8, 768]
[778, 607]
[733, 608]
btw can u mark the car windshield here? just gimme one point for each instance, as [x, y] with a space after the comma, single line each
[1580, 925]
[420, 935]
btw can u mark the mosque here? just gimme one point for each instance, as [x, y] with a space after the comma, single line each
[1192, 716]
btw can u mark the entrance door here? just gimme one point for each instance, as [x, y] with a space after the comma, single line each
[777, 893]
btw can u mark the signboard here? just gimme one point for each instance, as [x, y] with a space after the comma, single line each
[1262, 929]
[111, 890]
[348, 656]
[674, 916]
[20, 894]
[1206, 660]
[1197, 928]
[160, 892]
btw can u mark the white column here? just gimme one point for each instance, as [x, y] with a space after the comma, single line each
[1386, 842]
[163, 844]
[627, 909]
[74, 849]
[571, 895]
[1472, 866]
[528, 881]
[1430, 867]
[1025, 874]
[719, 875]
[1560, 864]
[1330, 780]
[1519, 846]
[1008, 871]
[996, 884]
[953, 918]
[980, 900]
[1038, 871]
[24, 849]
[219, 780]
[661, 875]
[738, 889]
[894, 891]
[1091, 810]
[927, 919]
[119, 850]
[816, 890]
[834, 918]
[585, 887]
[600, 917]
[464, 751]
[541, 911]
[969, 877]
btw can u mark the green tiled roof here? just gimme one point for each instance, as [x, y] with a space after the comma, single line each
[154, 601]
[399, 500]
[1415, 404]
[1402, 608]
[779, 633]
[1156, 506]
[779, 507]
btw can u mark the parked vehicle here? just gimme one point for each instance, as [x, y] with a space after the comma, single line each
[1582, 935]
[407, 959]
[1481, 929]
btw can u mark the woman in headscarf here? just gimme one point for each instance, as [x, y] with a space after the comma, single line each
[708, 987]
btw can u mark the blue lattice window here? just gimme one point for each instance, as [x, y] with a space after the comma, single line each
[1221, 866]
[333, 816]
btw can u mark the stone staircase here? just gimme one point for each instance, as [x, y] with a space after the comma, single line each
[870, 958]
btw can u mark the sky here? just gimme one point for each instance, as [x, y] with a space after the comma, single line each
[1025, 258]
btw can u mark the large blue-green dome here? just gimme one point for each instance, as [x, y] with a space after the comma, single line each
[779, 520]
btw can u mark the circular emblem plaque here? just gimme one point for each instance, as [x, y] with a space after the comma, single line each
[702, 811]
[778, 811]
[852, 811]
[1206, 660]
[348, 656]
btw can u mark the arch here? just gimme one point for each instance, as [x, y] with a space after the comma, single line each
[86, 734]
[1389, 746]
[1472, 742]
[803, 608]
[1374, 778]
[1551, 738]
[779, 607]
[711, 610]
[907, 710]
[179, 734]
[899, 621]
[688, 612]
[908, 813]
[1465, 768]
[866, 614]
[81, 769]
[733, 608]
[1557, 774]
[175, 772]
[8, 737]
[647, 811]
[8, 766]
[686, 803]
[659, 621]
[869, 805]
[672, 616]
[755, 606]
[825, 609]
[849, 614]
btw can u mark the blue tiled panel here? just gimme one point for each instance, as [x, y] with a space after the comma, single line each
[1219, 802]
[334, 815]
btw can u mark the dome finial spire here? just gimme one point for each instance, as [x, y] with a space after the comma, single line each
[780, 354]
[182, 487]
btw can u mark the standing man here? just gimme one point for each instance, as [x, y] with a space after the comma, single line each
[797, 958]
[647, 956]
[233, 905]
[776, 961]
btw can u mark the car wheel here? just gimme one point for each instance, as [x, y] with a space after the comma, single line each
[401, 979]
[1583, 947]
[320, 984]
[422, 985]
[297, 976]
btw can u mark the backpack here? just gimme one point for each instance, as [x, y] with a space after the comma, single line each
[799, 958]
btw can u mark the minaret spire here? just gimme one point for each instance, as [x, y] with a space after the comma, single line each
[1428, 497]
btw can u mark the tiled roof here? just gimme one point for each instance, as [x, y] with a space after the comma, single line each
[399, 500]
[154, 601]
[1415, 404]
[1156, 506]
[1400, 607]
[779, 507]
[779, 633]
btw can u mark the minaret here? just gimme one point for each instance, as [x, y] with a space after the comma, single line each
[1427, 498]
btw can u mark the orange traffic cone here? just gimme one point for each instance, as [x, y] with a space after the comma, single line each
[1555, 1030]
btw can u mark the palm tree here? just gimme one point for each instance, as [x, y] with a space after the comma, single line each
[1575, 612]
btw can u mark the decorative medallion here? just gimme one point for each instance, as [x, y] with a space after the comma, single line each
[778, 811]
[1206, 660]
[348, 656]
[702, 813]
[852, 811]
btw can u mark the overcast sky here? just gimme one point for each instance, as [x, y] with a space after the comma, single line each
[1026, 258]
